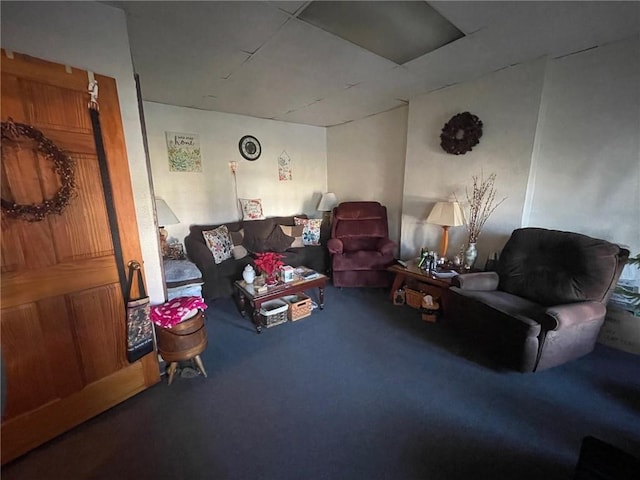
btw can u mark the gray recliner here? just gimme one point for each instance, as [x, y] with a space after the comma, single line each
[546, 302]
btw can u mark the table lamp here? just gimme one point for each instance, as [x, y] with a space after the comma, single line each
[325, 205]
[165, 217]
[446, 214]
[327, 202]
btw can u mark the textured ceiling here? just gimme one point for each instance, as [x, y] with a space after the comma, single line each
[260, 59]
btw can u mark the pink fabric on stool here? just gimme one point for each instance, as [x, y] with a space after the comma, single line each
[174, 311]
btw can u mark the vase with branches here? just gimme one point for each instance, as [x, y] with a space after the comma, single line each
[482, 203]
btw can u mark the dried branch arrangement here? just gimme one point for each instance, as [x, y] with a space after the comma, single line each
[481, 200]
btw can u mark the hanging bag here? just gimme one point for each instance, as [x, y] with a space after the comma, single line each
[139, 328]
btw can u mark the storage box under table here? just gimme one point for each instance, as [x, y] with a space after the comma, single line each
[413, 297]
[274, 312]
[299, 306]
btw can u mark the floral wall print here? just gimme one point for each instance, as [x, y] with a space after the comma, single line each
[184, 152]
[284, 167]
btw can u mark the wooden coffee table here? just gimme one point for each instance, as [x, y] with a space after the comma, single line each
[247, 295]
[416, 278]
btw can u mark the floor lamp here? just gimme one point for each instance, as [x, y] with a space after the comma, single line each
[446, 214]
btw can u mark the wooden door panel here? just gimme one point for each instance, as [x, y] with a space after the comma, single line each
[95, 335]
[21, 332]
[11, 98]
[26, 431]
[62, 346]
[77, 233]
[57, 108]
[64, 278]
[12, 252]
[62, 324]
[15, 237]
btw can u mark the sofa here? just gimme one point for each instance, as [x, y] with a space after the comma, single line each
[253, 236]
[360, 247]
[545, 303]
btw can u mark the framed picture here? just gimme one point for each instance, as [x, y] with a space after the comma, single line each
[184, 152]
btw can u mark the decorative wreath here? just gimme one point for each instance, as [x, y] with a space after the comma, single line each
[461, 133]
[63, 166]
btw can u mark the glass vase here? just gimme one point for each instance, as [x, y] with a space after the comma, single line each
[271, 279]
[470, 255]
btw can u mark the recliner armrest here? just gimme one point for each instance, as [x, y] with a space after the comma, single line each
[484, 281]
[565, 316]
[386, 246]
[335, 245]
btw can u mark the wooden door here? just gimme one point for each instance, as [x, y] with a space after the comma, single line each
[62, 323]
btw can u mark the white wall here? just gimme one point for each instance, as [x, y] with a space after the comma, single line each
[93, 36]
[366, 162]
[586, 172]
[209, 197]
[507, 102]
[562, 136]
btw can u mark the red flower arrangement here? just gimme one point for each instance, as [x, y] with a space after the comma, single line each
[269, 263]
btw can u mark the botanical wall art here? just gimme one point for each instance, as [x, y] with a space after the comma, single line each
[184, 152]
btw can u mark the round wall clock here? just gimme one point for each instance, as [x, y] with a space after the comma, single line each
[250, 147]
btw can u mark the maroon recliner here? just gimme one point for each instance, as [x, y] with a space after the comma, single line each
[360, 247]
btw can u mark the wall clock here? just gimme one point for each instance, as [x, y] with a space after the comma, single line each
[250, 147]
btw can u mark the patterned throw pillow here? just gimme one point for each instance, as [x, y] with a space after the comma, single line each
[311, 231]
[251, 208]
[296, 233]
[219, 242]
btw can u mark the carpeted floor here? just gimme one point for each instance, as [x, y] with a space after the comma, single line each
[361, 390]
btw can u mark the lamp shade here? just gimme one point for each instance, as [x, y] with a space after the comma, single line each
[165, 214]
[327, 202]
[447, 214]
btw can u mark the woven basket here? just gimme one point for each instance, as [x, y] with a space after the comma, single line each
[299, 306]
[413, 297]
[274, 312]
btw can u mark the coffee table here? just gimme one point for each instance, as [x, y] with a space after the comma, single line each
[247, 294]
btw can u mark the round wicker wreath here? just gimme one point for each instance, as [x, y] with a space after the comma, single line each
[63, 166]
[461, 133]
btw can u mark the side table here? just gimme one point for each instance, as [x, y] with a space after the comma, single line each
[414, 277]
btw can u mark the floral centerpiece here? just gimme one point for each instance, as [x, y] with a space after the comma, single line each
[269, 263]
[482, 203]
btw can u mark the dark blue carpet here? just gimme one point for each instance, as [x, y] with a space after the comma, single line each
[361, 390]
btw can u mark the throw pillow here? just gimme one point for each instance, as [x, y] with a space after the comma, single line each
[239, 252]
[237, 237]
[251, 208]
[296, 233]
[219, 242]
[311, 231]
[277, 241]
[256, 234]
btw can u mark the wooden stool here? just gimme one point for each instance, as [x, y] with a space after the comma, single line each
[184, 341]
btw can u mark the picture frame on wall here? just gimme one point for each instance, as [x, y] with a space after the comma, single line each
[184, 152]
